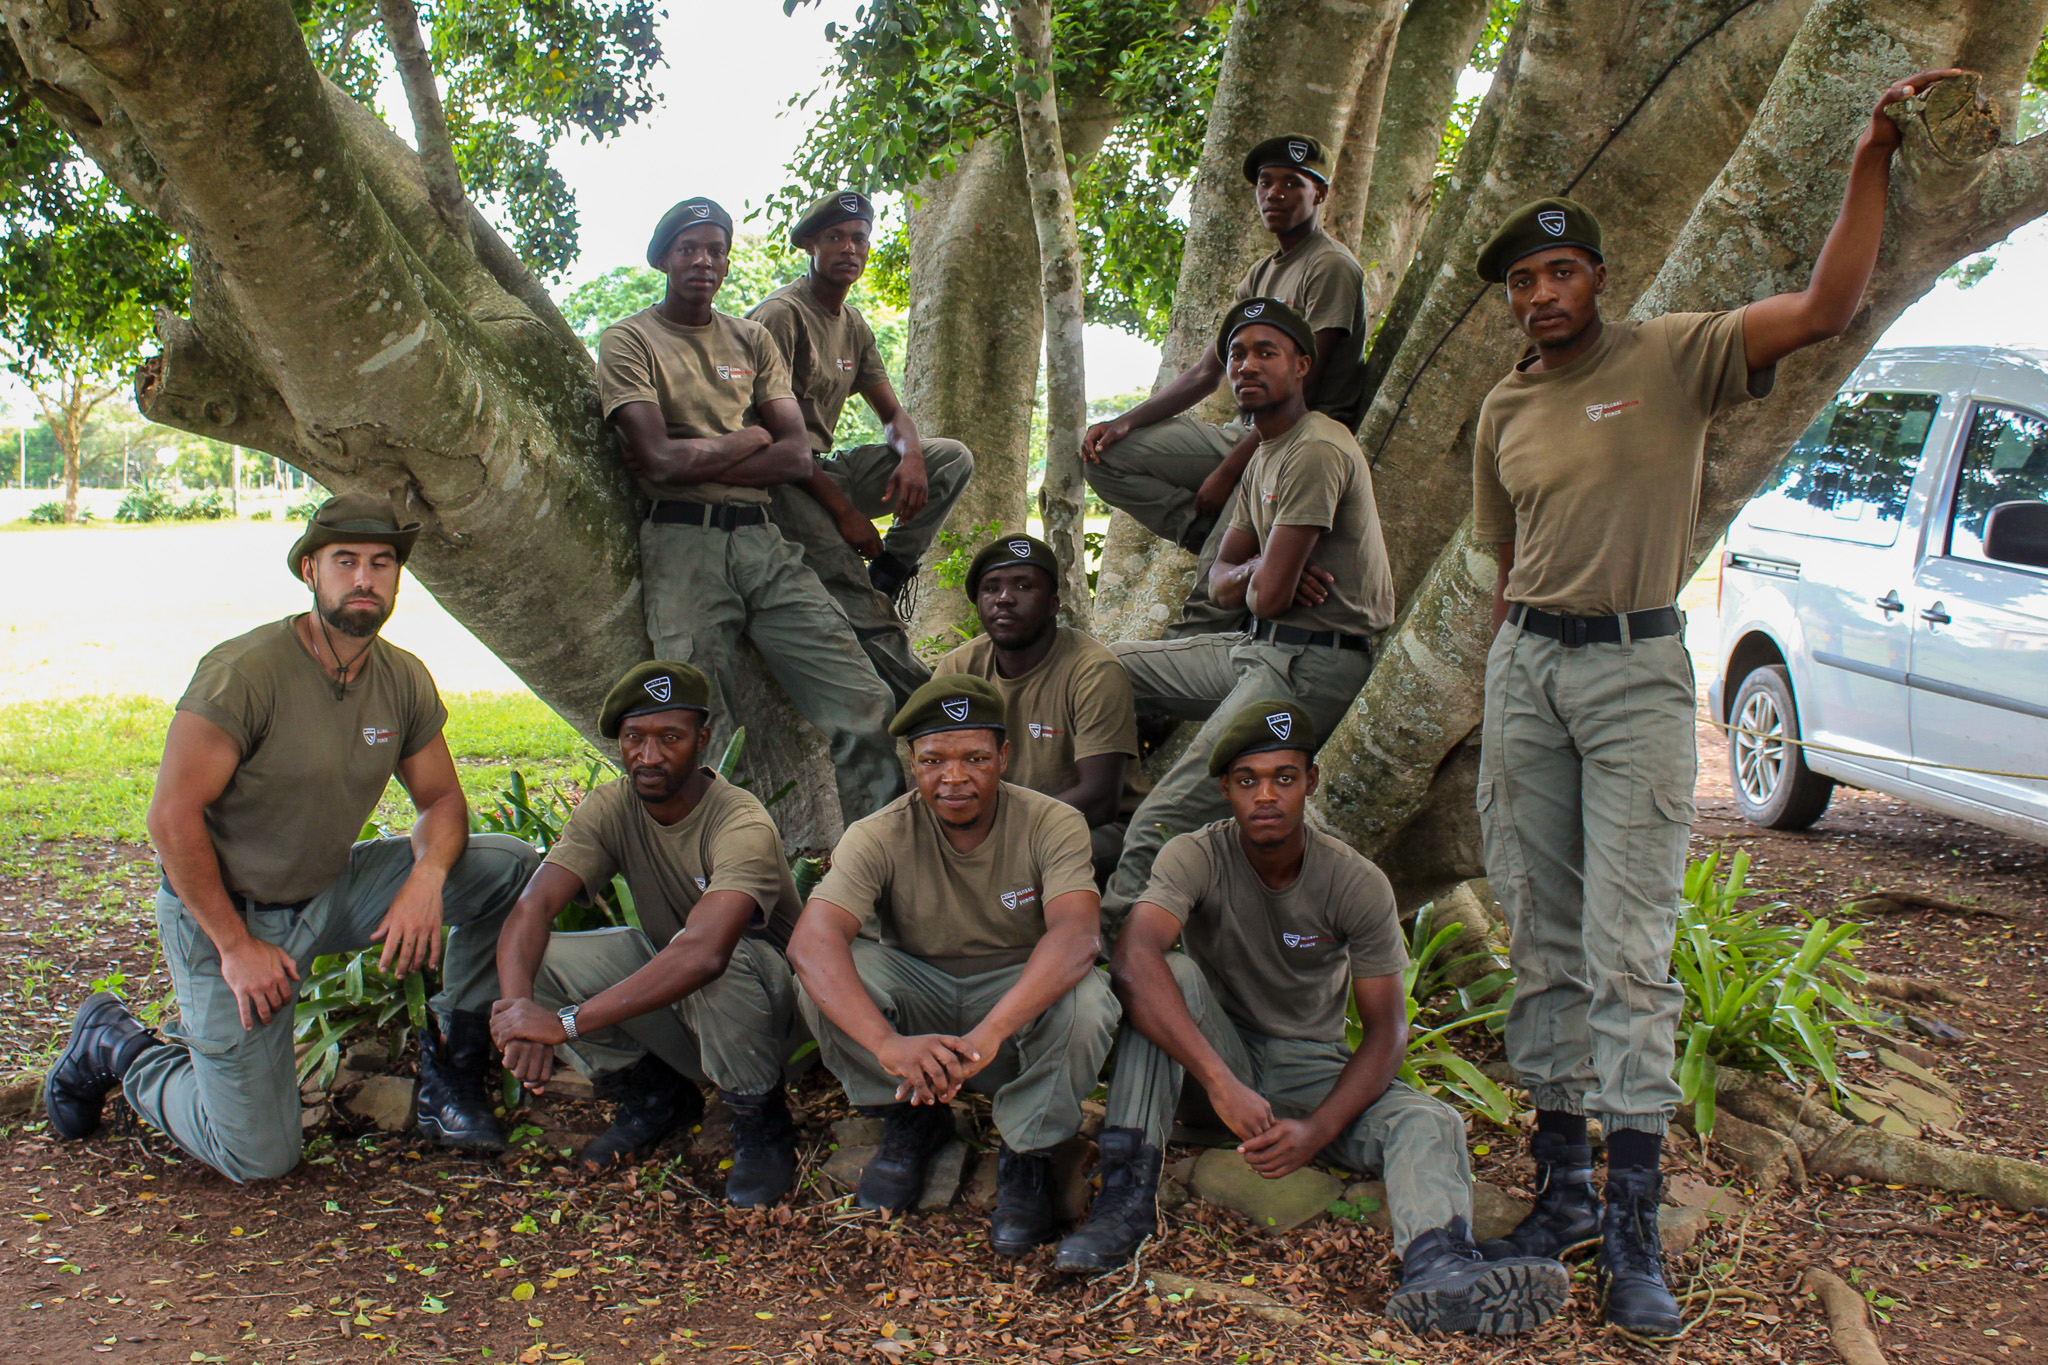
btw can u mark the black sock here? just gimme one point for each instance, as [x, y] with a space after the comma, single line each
[1634, 1147]
[1569, 1128]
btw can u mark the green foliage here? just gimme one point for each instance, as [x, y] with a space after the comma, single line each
[1431, 1065]
[346, 996]
[953, 554]
[144, 504]
[620, 292]
[1758, 996]
[46, 514]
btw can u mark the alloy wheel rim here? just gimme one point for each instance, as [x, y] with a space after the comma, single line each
[1760, 757]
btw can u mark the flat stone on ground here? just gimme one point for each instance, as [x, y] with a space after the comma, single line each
[1251, 1300]
[1223, 1178]
[569, 1084]
[858, 1130]
[1073, 1168]
[385, 1101]
[942, 1175]
[844, 1166]
[980, 1193]
[1690, 1192]
[1679, 1228]
[1495, 1212]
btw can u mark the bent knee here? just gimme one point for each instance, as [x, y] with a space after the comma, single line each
[258, 1163]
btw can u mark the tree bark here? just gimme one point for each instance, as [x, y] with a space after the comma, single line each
[429, 121]
[66, 410]
[1062, 497]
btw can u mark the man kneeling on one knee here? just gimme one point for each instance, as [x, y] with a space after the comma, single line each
[953, 943]
[701, 990]
[1276, 921]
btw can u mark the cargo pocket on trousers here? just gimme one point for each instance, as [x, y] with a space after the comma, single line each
[1676, 804]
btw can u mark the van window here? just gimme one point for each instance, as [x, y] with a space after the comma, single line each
[1847, 478]
[2005, 461]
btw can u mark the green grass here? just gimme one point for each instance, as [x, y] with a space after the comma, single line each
[84, 768]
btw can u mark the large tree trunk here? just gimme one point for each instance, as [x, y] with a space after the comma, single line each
[1062, 497]
[66, 410]
[1754, 233]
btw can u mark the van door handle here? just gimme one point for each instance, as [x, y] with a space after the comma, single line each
[1890, 602]
[1935, 616]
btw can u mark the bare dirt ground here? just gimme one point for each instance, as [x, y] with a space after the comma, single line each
[380, 1247]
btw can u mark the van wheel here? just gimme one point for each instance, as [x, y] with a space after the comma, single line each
[1772, 783]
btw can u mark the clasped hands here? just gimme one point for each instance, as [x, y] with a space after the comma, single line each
[933, 1066]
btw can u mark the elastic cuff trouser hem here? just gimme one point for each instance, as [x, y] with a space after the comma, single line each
[1557, 1098]
[1640, 1123]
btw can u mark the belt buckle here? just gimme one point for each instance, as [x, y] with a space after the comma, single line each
[1574, 631]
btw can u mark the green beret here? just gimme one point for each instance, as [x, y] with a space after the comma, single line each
[656, 685]
[951, 701]
[1017, 549]
[350, 519]
[689, 213]
[1260, 727]
[1296, 151]
[840, 206]
[1533, 227]
[1270, 313]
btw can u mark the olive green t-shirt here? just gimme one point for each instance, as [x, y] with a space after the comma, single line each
[1321, 280]
[964, 913]
[1075, 704]
[726, 843]
[707, 381]
[1593, 470]
[312, 767]
[829, 357]
[1315, 475]
[1281, 962]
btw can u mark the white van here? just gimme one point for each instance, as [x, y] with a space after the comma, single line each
[1885, 598]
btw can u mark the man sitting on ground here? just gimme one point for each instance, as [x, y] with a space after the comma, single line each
[1278, 923]
[1073, 732]
[832, 353]
[700, 991]
[953, 943]
[279, 751]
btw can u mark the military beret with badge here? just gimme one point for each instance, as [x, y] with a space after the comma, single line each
[646, 688]
[1295, 151]
[840, 206]
[1266, 312]
[1015, 549]
[951, 701]
[1259, 728]
[1534, 227]
[687, 214]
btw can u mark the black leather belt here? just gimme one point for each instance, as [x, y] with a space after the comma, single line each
[1574, 631]
[247, 903]
[727, 516]
[1295, 635]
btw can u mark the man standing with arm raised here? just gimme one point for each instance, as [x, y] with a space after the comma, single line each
[279, 751]
[1586, 468]
[706, 424]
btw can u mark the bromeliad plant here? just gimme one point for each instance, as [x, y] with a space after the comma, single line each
[1431, 1064]
[1759, 996]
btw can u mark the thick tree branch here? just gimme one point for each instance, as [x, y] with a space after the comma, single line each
[429, 121]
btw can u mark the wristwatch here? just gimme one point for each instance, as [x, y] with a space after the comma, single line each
[567, 1014]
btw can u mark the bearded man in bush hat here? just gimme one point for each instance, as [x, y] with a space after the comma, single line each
[278, 753]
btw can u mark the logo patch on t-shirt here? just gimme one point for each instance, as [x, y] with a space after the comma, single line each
[1023, 895]
[845, 365]
[374, 736]
[1041, 731]
[1596, 411]
[1307, 940]
[734, 372]
[699, 881]
[956, 707]
[1551, 221]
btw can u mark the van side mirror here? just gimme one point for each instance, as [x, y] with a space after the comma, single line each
[2017, 533]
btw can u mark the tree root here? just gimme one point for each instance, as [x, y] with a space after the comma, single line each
[1848, 1319]
[1831, 1145]
[1915, 990]
[1908, 902]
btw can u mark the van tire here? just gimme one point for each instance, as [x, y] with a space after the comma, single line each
[1780, 792]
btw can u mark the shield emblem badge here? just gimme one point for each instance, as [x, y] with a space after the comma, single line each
[659, 688]
[1594, 412]
[1551, 221]
[700, 210]
[1252, 310]
[1021, 548]
[369, 734]
[850, 202]
[1009, 900]
[1291, 940]
[1281, 725]
[1299, 151]
[956, 707]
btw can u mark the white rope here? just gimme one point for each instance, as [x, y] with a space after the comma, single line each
[1873, 758]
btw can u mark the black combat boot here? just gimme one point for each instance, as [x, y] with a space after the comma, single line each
[1567, 1212]
[1023, 1216]
[896, 581]
[1631, 1262]
[1446, 1285]
[650, 1101]
[105, 1041]
[763, 1149]
[912, 1135]
[458, 1073]
[1126, 1212]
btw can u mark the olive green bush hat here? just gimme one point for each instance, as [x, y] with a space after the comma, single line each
[1534, 227]
[951, 701]
[657, 685]
[1260, 727]
[350, 519]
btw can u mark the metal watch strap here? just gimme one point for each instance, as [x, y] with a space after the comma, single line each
[567, 1014]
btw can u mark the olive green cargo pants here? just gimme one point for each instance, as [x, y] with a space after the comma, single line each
[1210, 678]
[705, 588]
[1039, 1078]
[230, 1095]
[734, 1032]
[1154, 474]
[863, 474]
[1586, 774]
[1412, 1141]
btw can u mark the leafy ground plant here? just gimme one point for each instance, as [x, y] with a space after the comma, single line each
[1445, 1008]
[1759, 995]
